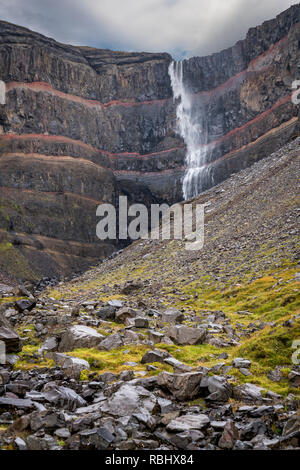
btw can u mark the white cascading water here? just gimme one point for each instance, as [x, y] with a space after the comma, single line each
[192, 128]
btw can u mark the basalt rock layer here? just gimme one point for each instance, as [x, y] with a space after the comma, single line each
[80, 126]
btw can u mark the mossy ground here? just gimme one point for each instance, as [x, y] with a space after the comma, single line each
[270, 297]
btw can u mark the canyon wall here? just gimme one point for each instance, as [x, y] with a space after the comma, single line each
[81, 126]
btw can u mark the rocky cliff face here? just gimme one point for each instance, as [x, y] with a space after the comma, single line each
[81, 126]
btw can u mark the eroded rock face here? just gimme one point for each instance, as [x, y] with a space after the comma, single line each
[82, 126]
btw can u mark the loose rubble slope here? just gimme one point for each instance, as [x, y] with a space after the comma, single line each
[160, 347]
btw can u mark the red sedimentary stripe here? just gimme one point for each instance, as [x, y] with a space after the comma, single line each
[258, 118]
[56, 158]
[217, 160]
[46, 87]
[63, 139]
[148, 173]
[243, 73]
[43, 86]
[9, 189]
[68, 140]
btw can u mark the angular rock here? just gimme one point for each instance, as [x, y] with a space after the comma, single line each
[218, 387]
[124, 314]
[292, 425]
[73, 366]
[172, 315]
[275, 375]
[248, 393]
[229, 436]
[128, 399]
[50, 345]
[96, 439]
[107, 312]
[294, 378]
[80, 336]
[155, 336]
[63, 397]
[188, 422]
[9, 337]
[25, 305]
[154, 355]
[111, 342]
[184, 335]
[181, 386]
[141, 322]
[178, 366]
[15, 403]
[239, 363]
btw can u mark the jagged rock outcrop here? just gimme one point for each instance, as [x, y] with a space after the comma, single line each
[81, 126]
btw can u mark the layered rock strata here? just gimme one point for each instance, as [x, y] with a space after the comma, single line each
[80, 126]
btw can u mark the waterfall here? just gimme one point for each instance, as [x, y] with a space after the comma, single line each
[191, 125]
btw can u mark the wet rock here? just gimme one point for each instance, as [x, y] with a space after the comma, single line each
[4, 376]
[62, 396]
[181, 386]
[184, 335]
[18, 388]
[80, 336]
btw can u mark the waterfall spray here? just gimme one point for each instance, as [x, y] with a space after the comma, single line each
[192, 128]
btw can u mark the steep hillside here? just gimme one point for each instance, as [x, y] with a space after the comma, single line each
[164, 348]
[81, 126]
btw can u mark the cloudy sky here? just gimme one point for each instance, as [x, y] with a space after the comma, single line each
[181, 27]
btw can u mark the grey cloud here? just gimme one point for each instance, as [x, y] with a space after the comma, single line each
[181, 27]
